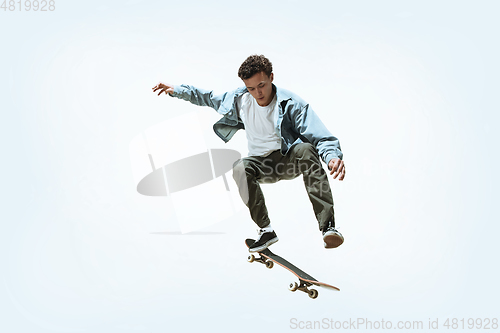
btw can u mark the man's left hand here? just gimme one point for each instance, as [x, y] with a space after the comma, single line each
[337, 168]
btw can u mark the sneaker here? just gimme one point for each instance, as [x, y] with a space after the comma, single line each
[332, 238]
[266, 238]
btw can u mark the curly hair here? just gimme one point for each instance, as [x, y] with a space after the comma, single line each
[255, 64]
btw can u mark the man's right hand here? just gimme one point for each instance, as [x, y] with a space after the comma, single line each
[164, 88]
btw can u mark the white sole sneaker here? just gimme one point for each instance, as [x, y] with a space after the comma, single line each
[264, 246]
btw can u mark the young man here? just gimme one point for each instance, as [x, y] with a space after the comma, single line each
[285, 139]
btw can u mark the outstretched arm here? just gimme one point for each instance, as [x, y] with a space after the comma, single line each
[191, 94]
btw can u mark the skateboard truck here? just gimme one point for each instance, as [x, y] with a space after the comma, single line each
[269, 264]
[313, 293]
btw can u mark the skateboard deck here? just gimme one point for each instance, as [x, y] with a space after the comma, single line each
[305, 280]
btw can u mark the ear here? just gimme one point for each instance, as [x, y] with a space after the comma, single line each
[271, 77]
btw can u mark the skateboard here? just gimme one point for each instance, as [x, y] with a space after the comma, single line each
[268, 258]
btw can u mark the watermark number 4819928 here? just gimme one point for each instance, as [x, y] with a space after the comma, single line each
[28, 5]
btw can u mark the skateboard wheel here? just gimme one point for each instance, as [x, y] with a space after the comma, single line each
[269, 264]
[251, 258]
[293, 286]
[313, 293]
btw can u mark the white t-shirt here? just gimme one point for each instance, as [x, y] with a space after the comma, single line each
[259, 124]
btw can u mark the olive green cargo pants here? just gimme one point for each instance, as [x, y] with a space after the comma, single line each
[301, 159]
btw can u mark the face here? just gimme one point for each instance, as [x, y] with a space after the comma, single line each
[261, 88]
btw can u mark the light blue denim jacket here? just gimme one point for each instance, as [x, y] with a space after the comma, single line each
[297, 122]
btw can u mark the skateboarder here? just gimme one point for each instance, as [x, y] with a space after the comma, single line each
[285, 139]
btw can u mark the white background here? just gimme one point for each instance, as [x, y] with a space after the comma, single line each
[409, 88]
